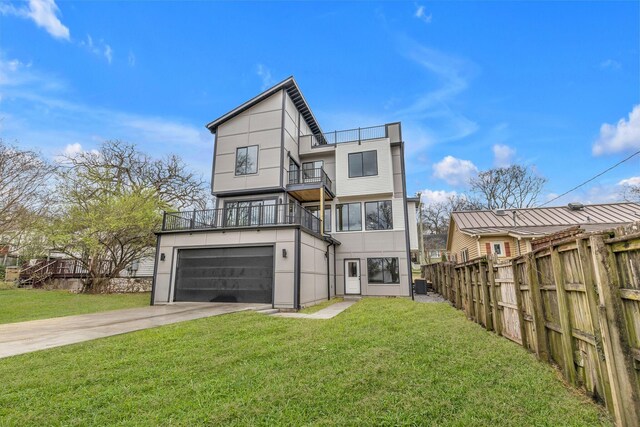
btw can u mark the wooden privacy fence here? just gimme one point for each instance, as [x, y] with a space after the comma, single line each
[574, 303]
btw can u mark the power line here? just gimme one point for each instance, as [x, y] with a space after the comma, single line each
[590, 179]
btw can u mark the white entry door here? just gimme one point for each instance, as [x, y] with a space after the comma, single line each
[352, 276]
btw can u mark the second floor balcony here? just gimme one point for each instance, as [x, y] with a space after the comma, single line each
[242, 215]
[306, 184]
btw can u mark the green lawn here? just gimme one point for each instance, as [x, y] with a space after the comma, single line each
[17, 305]
[381, 362]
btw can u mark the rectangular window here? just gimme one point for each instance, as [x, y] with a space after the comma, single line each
[464, 254]
[378, 215]
[349, 217]
[383, 270]
[497, 248]
[363, 164]
[327, 216]
[247, 160]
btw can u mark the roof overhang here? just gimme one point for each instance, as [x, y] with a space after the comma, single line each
[291, 87]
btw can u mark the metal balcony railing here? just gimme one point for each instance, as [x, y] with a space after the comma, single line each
[310, 176]
[242, 215]
[350, 135]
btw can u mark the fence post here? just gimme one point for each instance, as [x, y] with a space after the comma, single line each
[456, 277]
[516, 287]
[586, 273]
[542, 350]
[474, 285]
[497, 324]
[488, 321]
[565, 320]
[467, 279]
[617, 349]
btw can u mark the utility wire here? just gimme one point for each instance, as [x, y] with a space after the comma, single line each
[591, 179]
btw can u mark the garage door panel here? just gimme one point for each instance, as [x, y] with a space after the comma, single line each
[238, 274]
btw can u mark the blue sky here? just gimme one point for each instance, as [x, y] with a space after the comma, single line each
[553, 85]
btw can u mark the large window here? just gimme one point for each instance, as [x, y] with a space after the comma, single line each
[246, 213]
[349, 217]
[363, 164]
[247, 160]
[327, 216]
[383, 270]
[378, 215]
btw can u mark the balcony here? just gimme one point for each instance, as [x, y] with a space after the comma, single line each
[242, 216]
[305, 184]
[327, 140]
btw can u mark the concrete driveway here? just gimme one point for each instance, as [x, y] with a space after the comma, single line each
[25, 337]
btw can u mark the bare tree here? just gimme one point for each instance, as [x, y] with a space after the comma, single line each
[24, 190]
[119, 166]
[631, 193]
[111, 202]
[515, 186]
[435, 216]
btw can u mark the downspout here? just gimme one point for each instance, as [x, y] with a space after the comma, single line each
[296, 276]
[328, 271]
[335, 274]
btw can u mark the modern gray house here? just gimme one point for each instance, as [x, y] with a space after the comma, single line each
[301, 215]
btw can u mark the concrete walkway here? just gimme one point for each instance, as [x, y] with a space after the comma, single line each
[326, 313]
[25, 337]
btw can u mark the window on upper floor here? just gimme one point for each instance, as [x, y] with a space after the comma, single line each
[247, 160]
[383, 270]
[364, 163]
[349, 217]
[378, 215]
[312, 171]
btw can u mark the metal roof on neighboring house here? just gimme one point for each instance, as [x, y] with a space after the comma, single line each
[536, 222]
[289, 84]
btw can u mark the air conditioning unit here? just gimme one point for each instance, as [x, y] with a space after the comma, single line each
[575, 206]
[501, 212]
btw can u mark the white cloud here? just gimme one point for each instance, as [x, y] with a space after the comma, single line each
[108, 53]
[99, 48]
[634, 180]
[265, 75]
[436, 196]
[422, 14]
[43, 12]
[72, 149]
[611, 64]
[623, 136]
[131, 59]
[454, 171]
[503, 155]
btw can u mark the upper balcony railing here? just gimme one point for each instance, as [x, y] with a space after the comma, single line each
[350, 135]
[310, 176]
[242, 215]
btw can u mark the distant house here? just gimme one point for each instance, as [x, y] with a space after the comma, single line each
[513, 232]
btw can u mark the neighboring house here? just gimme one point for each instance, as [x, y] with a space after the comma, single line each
[511, 232]
[301, 215]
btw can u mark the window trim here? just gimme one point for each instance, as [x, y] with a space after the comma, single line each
[366, 223]
[235, 164]
[502, 249]
[384, 260]
[337, 222]
[361, 153]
